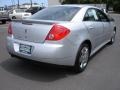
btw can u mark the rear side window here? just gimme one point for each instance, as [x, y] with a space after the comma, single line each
[59, 13]
[91, 15]
[102, 16]
[20, 10]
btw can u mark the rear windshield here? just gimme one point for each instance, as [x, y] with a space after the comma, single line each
[20, 10]
[59, 13]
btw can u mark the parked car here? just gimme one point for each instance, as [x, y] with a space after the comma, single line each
[4, 16]
[63, 35]
[34, 9]
[19, 14]
[104, 10]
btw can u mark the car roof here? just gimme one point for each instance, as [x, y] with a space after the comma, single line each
[76, 5]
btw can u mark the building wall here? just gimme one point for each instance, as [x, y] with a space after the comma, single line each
[53, 2]
[28, 6]
[99, 5]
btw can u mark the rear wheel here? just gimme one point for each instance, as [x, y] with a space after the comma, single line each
[113, 37]
[82, 58]
[13, 17]
[4, 22]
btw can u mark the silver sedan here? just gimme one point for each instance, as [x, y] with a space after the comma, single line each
[62, 35]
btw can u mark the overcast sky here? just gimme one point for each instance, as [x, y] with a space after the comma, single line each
[10, 2]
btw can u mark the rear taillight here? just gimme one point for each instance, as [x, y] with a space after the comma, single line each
[26, 14]
[10, 30]
[57, 32]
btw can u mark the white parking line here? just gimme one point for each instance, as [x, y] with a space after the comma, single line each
[3, 27]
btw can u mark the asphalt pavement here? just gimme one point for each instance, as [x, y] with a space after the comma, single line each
[102, 73]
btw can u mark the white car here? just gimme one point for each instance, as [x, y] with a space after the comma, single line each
[19, 14]
[104, 10]
[62, 35]
[3, 15]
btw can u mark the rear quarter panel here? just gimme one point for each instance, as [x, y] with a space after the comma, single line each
[78, 34]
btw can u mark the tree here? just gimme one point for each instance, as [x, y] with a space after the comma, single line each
[80, 1]
[116, 5]
[69, 1]
[110, 3]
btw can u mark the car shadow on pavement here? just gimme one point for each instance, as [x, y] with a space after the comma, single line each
[42, 72]
[36, 71]
[5, 23]
[2, 24]
[100, 50]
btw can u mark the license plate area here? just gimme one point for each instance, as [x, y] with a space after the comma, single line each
[26, 49]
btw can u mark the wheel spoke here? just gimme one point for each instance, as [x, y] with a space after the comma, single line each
[84, 57]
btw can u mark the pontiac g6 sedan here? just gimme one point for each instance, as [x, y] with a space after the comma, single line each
[63, 35]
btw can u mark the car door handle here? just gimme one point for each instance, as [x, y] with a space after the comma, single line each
[91, 27]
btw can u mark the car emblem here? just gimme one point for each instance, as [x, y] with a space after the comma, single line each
[25, 34]
[25, 30]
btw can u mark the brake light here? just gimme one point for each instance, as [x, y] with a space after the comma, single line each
[10, 30]
[57, 32]
[26, 14]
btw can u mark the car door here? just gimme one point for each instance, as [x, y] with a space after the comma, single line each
[94, 27]
[14, 14]
[18, 14]
[106, 25]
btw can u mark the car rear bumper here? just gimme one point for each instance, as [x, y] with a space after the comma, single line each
[4, 19]
[44, 52]
[25, 17]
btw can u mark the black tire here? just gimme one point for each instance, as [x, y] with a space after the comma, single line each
[12, 55]
[3, 22]
[13, 17]
[113, 37]
[78, 68]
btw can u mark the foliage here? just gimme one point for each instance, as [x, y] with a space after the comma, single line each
[110, 3]
[116, 5]
[81, 1]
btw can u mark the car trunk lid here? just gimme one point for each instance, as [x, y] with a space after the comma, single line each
[31, 30]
